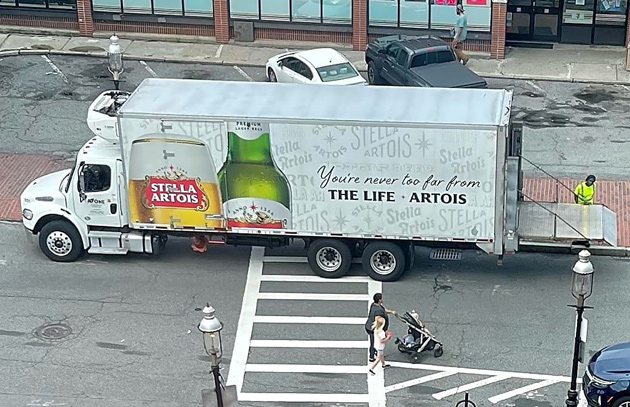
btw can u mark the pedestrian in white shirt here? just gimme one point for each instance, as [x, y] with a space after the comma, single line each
[380, 339]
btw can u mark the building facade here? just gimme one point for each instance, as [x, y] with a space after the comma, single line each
[491, 23]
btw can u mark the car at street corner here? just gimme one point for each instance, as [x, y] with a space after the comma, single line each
[606, 381]
[323, 66]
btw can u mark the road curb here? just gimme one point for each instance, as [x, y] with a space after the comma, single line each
[103, 54]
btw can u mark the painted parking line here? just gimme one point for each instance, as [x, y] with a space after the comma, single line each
[469, 386]
[55, 69]
[420, 380]
[243, 73]
[375, 396]
[148, 69]
[521, 390]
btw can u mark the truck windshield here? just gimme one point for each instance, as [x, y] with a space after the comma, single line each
[436, 57]
[336, 72]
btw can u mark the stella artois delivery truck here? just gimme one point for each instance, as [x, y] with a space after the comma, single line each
[352, 171]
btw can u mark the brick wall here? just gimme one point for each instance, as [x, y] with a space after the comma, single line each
[302, 35]
[359, 25]
[84, 14]
[154, 28]
[497, 29]
[62, 23]
[221, 21]
[469, 45]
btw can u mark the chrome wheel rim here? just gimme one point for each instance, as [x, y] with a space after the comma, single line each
[59, 243]
[328, 259]
[383, 262]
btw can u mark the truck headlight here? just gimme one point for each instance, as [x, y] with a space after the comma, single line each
[27, 214]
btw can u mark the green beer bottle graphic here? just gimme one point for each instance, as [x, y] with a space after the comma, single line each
[255, 192]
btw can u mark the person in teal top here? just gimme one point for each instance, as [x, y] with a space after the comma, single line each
[460, 33]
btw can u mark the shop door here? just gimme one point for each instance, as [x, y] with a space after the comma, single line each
[534, 20]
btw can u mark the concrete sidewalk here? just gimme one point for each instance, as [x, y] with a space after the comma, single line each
[563, 63]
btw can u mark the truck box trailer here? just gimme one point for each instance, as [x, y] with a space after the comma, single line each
[352, 171]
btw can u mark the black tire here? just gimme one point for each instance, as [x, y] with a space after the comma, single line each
[373, 76]
[439, 351]
[383, 261]
[272, 75]
[329, 258]
[621, 402]
[60, 241]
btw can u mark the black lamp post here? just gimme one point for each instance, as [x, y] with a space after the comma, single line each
[581, 288]
[114, 60]
[211, 327]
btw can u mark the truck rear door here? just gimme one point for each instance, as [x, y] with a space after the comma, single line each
[388, 71]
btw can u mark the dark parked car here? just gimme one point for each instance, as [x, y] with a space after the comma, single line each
[606, 381]
[402, 60]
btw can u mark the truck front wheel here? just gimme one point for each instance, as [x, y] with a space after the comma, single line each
[383, 261]
[60, 241]
[329, 258]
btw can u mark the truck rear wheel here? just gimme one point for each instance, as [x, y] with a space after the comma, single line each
[60, 241]
[373, 76]
[383, 261]
[329, 258]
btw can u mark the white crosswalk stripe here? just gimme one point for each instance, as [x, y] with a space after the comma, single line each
[376, 390]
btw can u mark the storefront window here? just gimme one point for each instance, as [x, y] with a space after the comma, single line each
[416, 13]
[32, 3]
[312, 11]
[199, 8]
[244, 9]
[274, 9]
[7, 2]
[611, 12]
[578, 12]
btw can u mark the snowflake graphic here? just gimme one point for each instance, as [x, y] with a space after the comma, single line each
[423, 144]
[329, 139]
[341, 220]
[367, 220]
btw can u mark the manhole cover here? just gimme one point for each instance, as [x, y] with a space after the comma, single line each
[53, 331]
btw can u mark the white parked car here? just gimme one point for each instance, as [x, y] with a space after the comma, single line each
[316, 66]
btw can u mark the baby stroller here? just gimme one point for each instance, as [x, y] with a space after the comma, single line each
[418, 338]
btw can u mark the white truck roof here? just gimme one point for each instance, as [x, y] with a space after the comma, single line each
[287, 103]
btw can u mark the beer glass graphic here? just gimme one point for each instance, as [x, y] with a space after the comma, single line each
[173, 182]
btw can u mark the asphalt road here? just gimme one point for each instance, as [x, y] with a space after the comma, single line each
[571, 129]
[131, 339]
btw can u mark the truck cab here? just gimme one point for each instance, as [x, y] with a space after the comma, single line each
[84, 208]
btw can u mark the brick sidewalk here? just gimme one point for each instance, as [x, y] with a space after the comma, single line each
[614, 194]
[16, 172]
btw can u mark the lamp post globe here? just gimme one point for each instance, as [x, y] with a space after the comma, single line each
[114, 59]
[582, 278]
[211, 327]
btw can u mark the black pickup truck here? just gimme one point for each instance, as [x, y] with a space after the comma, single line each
[402, 60]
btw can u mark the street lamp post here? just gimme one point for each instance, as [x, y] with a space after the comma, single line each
[210, 326]
[581, 288]
[114, 59]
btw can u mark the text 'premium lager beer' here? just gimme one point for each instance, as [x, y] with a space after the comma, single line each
[173, 181]
[255, 192]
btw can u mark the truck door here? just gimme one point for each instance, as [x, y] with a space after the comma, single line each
[389, 62]
[399, 69]
[96, 200]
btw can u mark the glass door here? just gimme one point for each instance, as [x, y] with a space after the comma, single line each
[533, 20]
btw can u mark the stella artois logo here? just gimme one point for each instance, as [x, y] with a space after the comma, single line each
[258, 216]
[174, 189]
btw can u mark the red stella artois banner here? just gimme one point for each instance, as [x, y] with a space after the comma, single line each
[185, 193]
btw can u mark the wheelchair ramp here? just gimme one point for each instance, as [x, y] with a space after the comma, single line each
[561, 222]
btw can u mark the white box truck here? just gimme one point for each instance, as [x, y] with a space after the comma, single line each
[352, 171]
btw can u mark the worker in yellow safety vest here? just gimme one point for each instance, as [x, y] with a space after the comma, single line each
[585, 191]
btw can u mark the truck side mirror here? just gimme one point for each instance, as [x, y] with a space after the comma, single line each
[382, 51]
